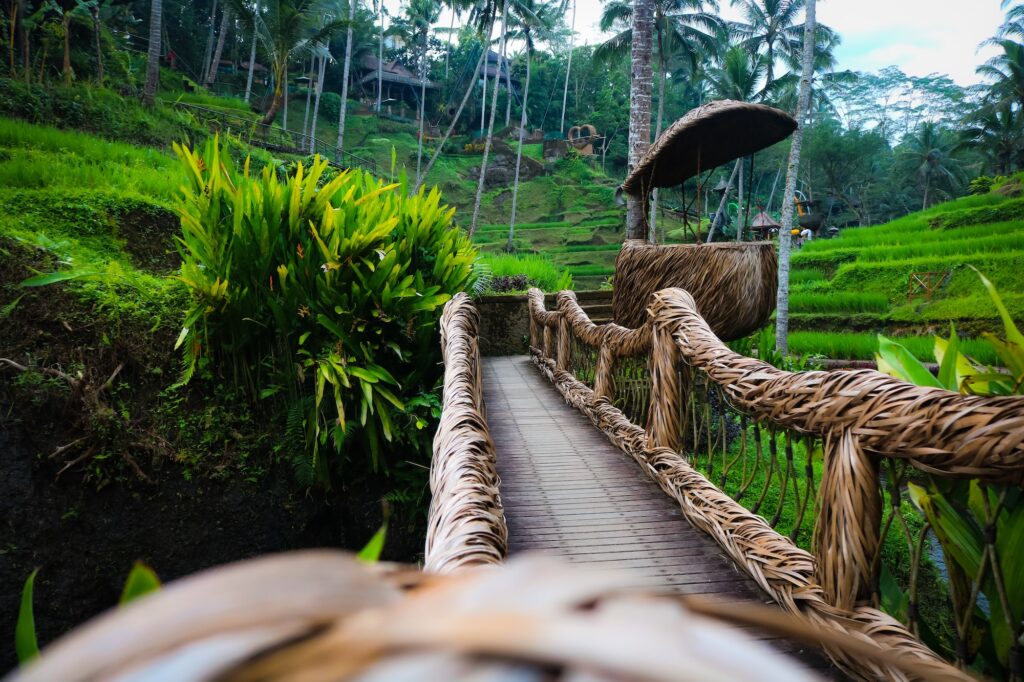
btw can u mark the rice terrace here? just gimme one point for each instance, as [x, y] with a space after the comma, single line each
[511, 339]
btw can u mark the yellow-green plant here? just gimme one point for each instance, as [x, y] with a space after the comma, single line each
[979, 526]
[326, 292]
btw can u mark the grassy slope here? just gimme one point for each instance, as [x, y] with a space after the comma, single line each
[859, 280]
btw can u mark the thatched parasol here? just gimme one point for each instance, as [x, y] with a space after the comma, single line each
[762, 221]
[707, 137]
[733, 284]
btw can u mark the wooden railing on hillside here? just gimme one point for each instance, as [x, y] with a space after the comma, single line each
[276, 139]
[466, 523]
[710, 413]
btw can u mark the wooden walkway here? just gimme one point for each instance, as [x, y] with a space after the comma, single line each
[570, 492]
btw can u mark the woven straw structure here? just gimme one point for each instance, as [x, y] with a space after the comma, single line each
[734, 284]
[321, 615]
[705, 138]
[861, 415]
[465, 524]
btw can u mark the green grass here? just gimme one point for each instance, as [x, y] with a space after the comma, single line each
[539, 270]
[854, 346]
[838, 302]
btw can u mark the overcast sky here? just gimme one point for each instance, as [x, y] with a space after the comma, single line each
[919, 36]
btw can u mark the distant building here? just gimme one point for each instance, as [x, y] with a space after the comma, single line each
[399, 85]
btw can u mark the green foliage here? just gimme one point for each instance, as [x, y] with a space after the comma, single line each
[838, 302]
[862, 346]
[539, 270]
[328, 296]
[25, 644]
[980, 527]
[141, 581]
[983, 184]
[97, 110]
[371, 552]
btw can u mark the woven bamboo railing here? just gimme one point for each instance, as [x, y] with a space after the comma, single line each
[466, 524]
[860, 417]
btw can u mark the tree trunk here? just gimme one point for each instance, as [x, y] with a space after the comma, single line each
[275, 103]
[490, 124]
[782, 302]
[211, 74]
[639, 108]
[252, 57]
[483, 97]
[508, 93]
[724, 203]
[519, 156]
[423, 102]
[344, 76]
[927, 184]
[153, 52]
[309, 100]
[209, 44]
[316, 102]
[739, 201]
[66, 22]
[653, 236]
[455, 119]
[568, 70]
[95, 10]
[284, 101]
[380, 56]
[448, 48]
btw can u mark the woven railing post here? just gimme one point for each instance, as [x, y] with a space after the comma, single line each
[664, 413]
[564, 344]
[846, 532]
[549, 342]
[536, 336]
[604, 374]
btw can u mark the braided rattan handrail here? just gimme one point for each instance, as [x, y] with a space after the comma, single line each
[466, 523]
[861, 415]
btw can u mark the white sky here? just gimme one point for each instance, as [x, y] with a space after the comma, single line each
[919, 36]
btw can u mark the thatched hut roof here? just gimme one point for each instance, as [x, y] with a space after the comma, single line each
[762, 219]
[706, 137]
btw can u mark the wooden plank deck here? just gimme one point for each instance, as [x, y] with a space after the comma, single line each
[570, 492]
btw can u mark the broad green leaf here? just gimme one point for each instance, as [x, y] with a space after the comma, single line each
[25, 644]
[141, 581]
[1014, 358]
[54, 277]
[900, 363]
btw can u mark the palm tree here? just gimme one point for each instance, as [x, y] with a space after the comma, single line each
[153, 52]
[928, 153]
[250, 21]
[770, 25]
[789, 196]
[211, 73]
[998, 132]
[682, 30]
[420, 16]
[1006, 71]
[568, 67]
[490, 124]
[540, 19]
[288, 26]
[642, 28]
[343, 109]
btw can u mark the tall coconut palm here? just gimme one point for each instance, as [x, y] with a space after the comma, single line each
[770, 26]
[642, 28]
[683, 30]
[928, 153]
[288, 26]
[568, 67]
[249, 21]
[345, 69]
[540, 20]
[211, 73]
[1006, 71]
[490, 125]
[789, 196]
[156, 10]
[998, 132]
[421, 15]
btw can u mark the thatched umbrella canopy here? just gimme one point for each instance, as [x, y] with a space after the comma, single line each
[707, 137]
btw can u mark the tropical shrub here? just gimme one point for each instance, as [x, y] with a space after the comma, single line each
[325, 295]
[537, 270]
[979, 526]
